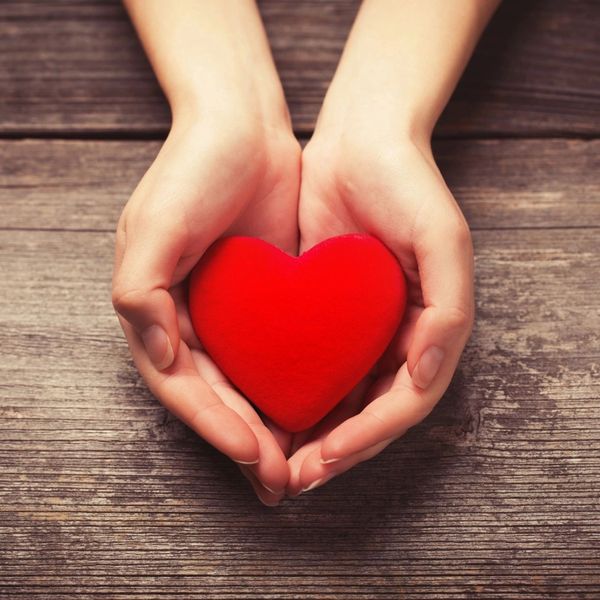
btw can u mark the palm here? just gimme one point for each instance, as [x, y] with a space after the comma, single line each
[385, 200]
[270, 214]
[276, 205]
[202, 187]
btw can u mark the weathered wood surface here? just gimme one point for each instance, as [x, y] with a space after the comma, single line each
[499, 183]
[75, 67]
[495, 495]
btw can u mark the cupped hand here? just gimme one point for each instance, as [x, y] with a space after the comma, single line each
[393, 190]
[226, 177]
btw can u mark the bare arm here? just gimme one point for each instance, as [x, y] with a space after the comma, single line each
[402, 61]
[211, 57]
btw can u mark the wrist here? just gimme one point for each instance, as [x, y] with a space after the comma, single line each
[211, 58]
[373, 112]
[402, 62]
[252, 127]
[253, 98]
[371, 125]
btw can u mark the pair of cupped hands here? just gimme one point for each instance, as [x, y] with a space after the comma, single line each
[237, 172]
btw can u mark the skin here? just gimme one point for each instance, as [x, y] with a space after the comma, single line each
[231, 165]
[369, 167]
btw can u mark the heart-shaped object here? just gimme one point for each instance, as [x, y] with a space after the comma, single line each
[296, 334]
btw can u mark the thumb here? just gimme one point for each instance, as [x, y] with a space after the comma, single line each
[438, 341]
[144, 267]
[445, 258]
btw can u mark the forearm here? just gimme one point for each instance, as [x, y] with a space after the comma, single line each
[210, 57]
[402, 61]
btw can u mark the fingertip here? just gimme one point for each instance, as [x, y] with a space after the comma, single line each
[335, 446]
[245, 449]
[440, 336]
[158, 346]
[247, 462]
[319, 482]
[428, 367]
[314, 474]
[328, 461]
[223, 428]
[272, 469]
[148, 311]
[310, 470]
[264, 495]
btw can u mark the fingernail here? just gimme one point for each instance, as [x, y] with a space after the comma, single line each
[272, 491]
[318, 482]
[367, 449]
[158, 346]
[248, 462]
[428, 366]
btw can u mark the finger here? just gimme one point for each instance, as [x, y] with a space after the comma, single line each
[347, 408]
[314, 473]
[395, 354]
[140, 292]
[184, 393]
[282, 437]
[295, 463]
[264, 495]
[120, 241]
[184, 322]
[272, 468]
[379, 387]
[386, 417]
[442, 246]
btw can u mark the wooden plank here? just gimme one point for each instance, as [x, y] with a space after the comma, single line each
[101, 492]
[495, 495]
[75, 67]
[499, 184]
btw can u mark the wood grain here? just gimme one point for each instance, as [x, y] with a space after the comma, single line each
[496, 495]
[83, 185]
[75, 67]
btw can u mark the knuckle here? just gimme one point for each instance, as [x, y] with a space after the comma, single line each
[459, 319]
[126, 299]
[462, 234]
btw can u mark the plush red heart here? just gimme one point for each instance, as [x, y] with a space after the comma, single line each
[296, 334]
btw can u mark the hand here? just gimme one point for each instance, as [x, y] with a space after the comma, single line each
[230, 165]
[226, 177]
[394, 191]
[369, 168]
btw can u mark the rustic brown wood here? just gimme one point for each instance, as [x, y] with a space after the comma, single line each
[75, 67]
[497, 491]
[499, 184]
[495, 495]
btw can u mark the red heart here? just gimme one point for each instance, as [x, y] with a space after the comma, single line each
[296, 334]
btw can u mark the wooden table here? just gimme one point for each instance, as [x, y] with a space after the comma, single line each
[495, 495]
